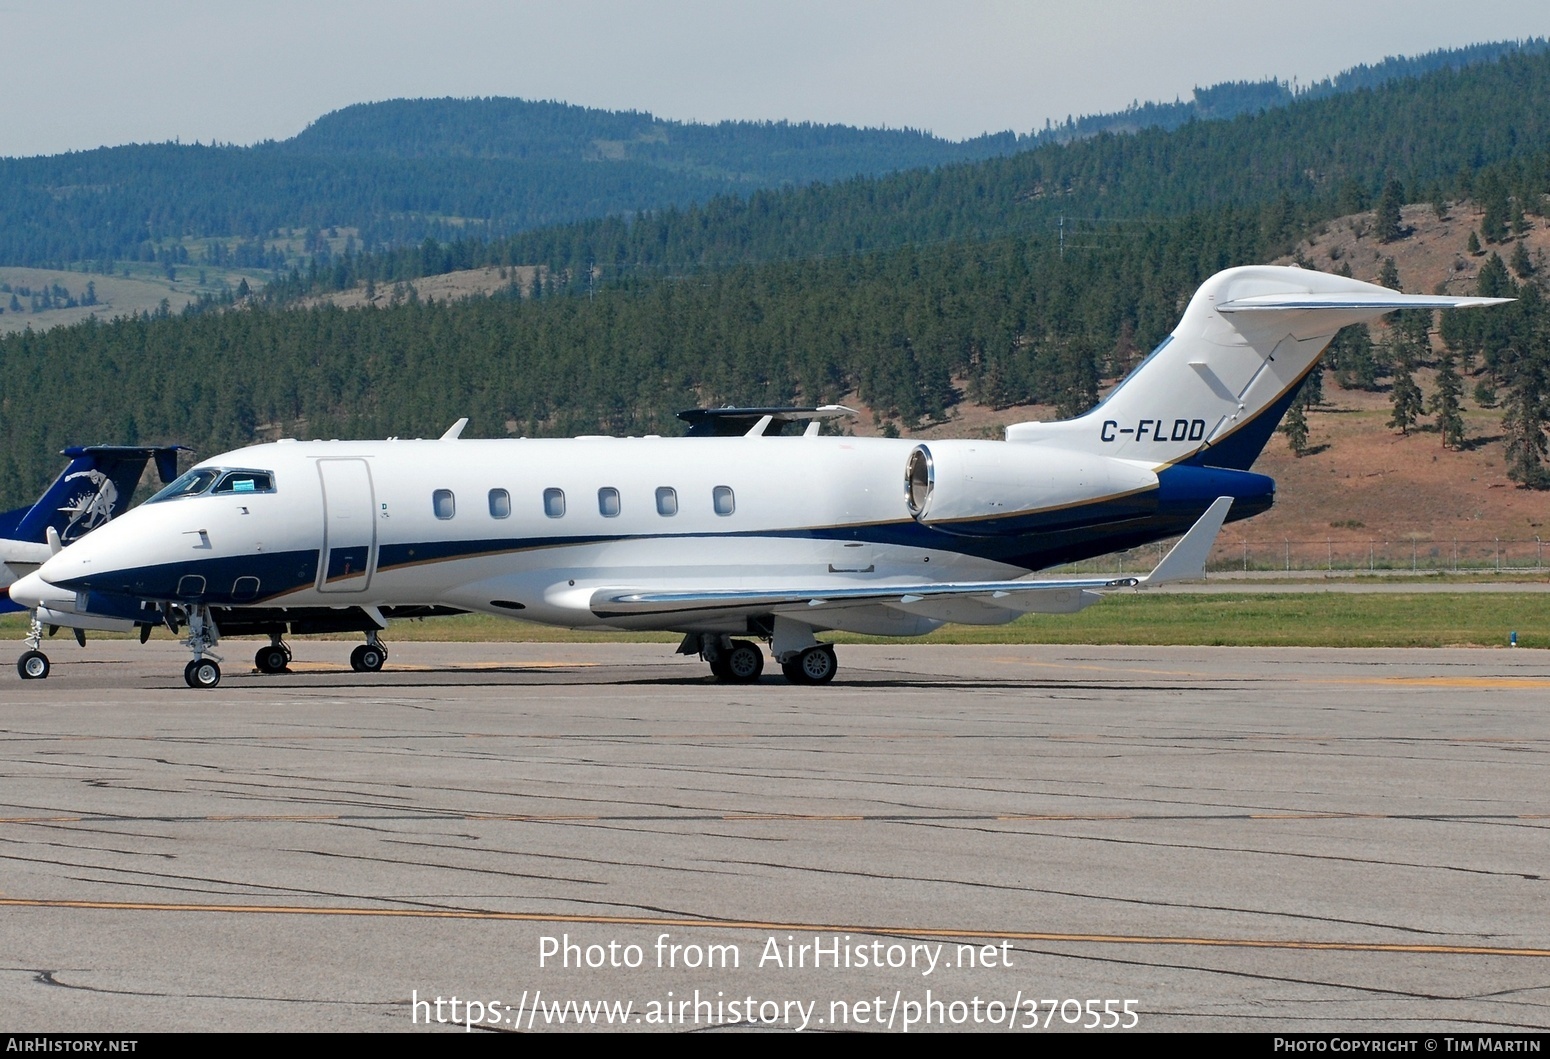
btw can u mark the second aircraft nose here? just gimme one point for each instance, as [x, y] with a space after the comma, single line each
[32, 591]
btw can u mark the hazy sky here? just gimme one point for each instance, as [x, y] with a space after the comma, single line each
[88, 73]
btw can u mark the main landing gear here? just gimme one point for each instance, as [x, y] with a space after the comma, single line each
[742, 661]
[275, 658]
[369, 656]
[816, 665]
[738, 662]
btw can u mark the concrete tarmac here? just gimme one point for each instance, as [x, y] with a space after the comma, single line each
[960, 837]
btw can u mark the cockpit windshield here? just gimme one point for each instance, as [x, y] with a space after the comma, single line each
[203, 480]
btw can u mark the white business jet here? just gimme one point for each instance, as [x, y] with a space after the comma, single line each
[727, 539]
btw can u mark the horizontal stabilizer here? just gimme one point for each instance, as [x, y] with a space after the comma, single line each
[1377, 303]
[1213, 392]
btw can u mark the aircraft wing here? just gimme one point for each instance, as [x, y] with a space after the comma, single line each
[986, 602]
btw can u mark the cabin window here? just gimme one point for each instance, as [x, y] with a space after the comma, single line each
[443, 503]
[667, 501]
[725, 502]
[500, 503]
[554, 503]
[608, 501]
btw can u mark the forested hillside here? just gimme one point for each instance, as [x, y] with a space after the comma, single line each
[909, 332]
[406, 170]
[756, 153]
[910, 293]
[1233, 98]
[1295, 165]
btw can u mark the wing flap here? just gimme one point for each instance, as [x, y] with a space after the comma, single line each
[1016, 596]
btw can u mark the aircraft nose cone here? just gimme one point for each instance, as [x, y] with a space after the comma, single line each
[30, 591]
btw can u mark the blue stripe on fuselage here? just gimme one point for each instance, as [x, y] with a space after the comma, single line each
[1068, 535]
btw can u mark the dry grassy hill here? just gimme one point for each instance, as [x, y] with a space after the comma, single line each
[133, 289]
[1364, 471]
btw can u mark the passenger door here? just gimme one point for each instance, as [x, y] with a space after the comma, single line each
[349, 552]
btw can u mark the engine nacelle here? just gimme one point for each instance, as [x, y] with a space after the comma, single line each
[992, 488]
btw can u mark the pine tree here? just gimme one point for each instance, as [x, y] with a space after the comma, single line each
[1524, 427]
[1493, 193]
[1525, 367]
[1446, 402]
[1521, 263]
[1295, 427]
[1493, 281]
[1353, 197]
[1387, 220]
[1311, 395]
[1405, 397]
[1351, 358]
[1388, 275]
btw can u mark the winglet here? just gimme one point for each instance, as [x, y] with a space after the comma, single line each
[1186, 560]
[455, 431]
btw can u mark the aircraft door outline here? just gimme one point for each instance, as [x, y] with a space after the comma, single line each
[349, 554]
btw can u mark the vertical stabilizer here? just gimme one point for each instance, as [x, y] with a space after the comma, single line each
[97, 486]
[1216, 388]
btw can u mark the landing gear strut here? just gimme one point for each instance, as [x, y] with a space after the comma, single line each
[33, 664]
[802, 658]
[205, 670]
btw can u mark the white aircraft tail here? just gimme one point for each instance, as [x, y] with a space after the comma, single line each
[1220, 383]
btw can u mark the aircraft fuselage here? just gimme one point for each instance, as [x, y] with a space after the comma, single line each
[533, 528]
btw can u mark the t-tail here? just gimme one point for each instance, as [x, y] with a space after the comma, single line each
[1214, 391]
[95, 488]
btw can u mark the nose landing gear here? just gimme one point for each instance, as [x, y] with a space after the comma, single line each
[205, 670]
[202, 673]
[33, 664]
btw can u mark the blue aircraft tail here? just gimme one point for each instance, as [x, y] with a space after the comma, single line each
[97, 486]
